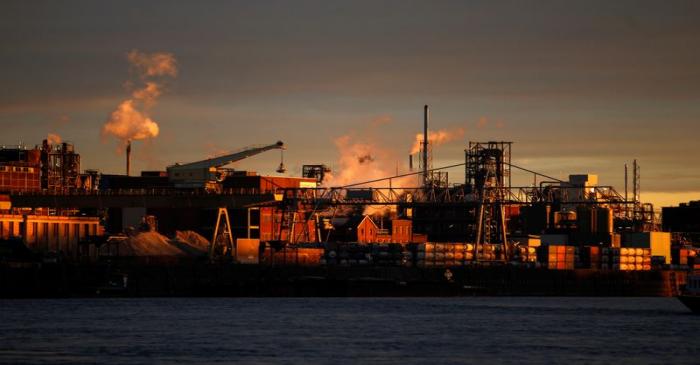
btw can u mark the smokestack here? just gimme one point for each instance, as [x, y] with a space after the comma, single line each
[425, 145]
[128, 156]
[626, 205]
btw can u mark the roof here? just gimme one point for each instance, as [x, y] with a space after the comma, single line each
[351, 222]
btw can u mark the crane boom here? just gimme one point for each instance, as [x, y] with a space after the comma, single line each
[206, 173]
[230, 158]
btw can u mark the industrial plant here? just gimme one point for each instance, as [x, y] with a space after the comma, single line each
[200, 228]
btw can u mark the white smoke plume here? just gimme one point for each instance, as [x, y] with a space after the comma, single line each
[149, 94]
[485, 122]
[154, 64]
[131, 119]
[357, 162]
[437, 138]
[363, 160]
[54, 138]
[128, 123]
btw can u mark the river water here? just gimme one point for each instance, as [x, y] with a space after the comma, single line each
[510, 330]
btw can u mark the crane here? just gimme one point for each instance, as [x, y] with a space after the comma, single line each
[207, 173]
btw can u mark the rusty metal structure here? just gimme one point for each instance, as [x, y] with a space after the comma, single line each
[487, 173]
[317, 172]
[60, 167]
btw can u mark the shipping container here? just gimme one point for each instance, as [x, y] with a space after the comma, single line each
[555, 239]
[658, 242]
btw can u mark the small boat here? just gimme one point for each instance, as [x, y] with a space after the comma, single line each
[690, 294]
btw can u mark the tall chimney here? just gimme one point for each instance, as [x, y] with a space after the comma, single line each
[425, 145]
[128, 156]
[626, 205]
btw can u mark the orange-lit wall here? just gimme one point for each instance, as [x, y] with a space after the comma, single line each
[50, 233]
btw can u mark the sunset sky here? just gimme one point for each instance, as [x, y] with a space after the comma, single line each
[579, 87]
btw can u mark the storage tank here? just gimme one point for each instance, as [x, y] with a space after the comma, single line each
[603, 219]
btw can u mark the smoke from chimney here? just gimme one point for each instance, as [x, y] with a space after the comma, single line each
[54, 138]
[437, 138]
[130, 121]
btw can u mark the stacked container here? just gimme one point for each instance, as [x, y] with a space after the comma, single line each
[386, 254]
[293, 255]
[559, 257]
[683, 257]
[444, 254]
[635, 259]
[489, 252]
[589, 257]
[525, 254]
[354, 254]
[658, 242]
[610, 258]
[347, 254]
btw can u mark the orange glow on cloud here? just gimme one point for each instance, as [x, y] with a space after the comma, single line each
[54, 138]
[437, 138]
[126, 122]
[154, 64]
[131, 120]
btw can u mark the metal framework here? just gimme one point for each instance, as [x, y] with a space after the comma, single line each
[481, 155]
[222, 237]
[60, 167]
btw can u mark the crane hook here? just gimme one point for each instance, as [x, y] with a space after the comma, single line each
[281, 169]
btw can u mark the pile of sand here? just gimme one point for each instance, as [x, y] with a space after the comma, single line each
[191, 242]
[185, 243]
[149, 244]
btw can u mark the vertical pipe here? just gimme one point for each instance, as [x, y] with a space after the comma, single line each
[634, 181]
[128, 156]
[626, 205]
[425, 145]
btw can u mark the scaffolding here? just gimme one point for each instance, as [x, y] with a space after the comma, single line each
[479, 155]
[60, 167]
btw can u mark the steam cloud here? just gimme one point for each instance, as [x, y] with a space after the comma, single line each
[154, 64]
[363, 160]
[131, 120]
[54, 138]
[128, 123]
[437, 138]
